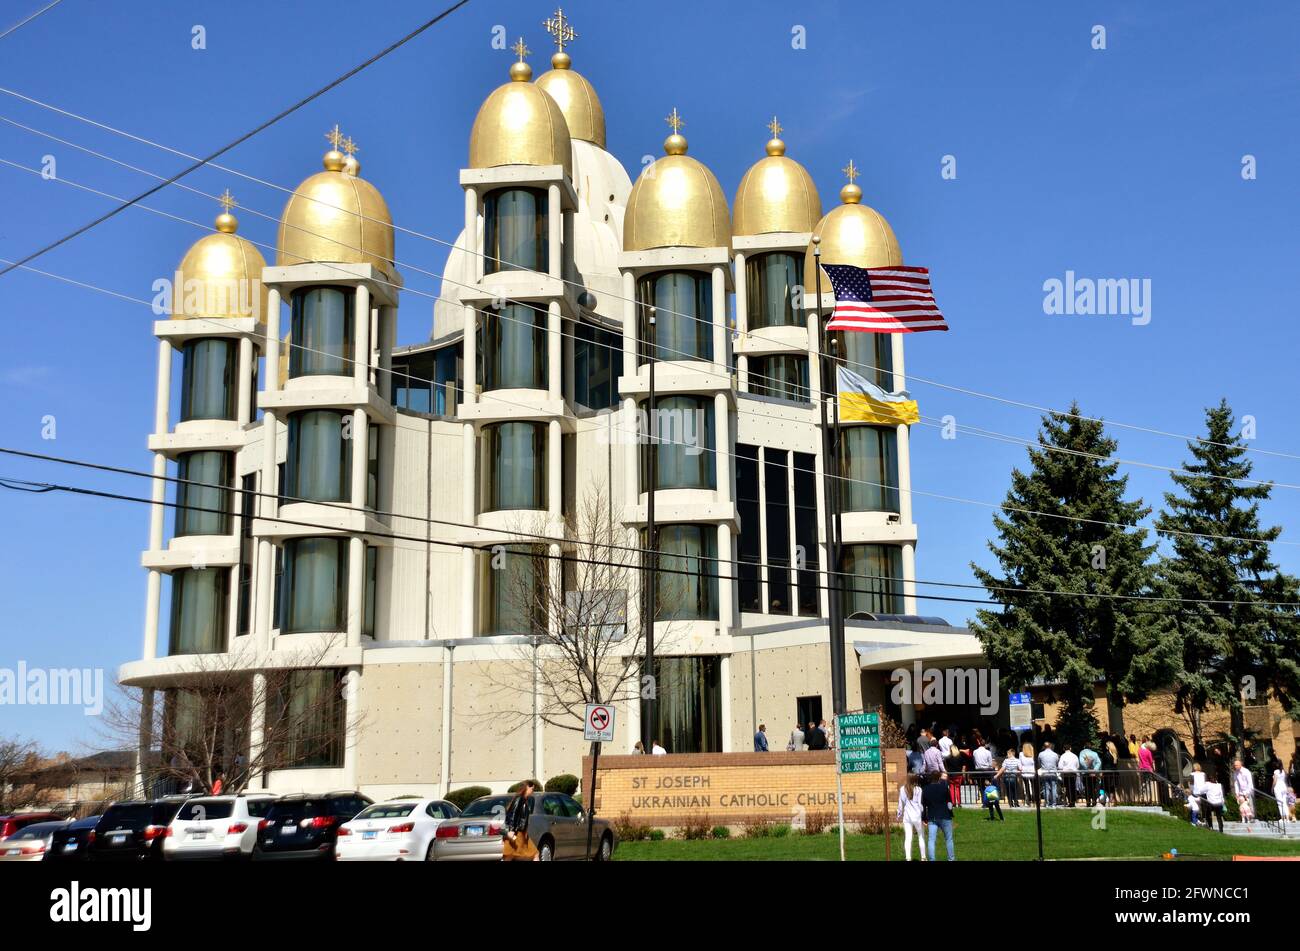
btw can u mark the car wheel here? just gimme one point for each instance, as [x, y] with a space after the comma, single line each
[428, 855]
[606, 850]
[546, 851]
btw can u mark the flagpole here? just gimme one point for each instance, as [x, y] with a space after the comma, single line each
[648, 708]
[830, 473]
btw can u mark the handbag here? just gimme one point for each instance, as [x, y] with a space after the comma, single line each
[517, 847]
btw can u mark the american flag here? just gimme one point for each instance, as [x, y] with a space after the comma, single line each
[883, 300]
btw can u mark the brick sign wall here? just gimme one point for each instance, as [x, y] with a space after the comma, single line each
[732, 788]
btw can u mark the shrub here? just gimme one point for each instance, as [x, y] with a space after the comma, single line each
[460, 798]
[779, 831]
[873, 823]
[756, 829]
[565, 783]
[520, 785]
[815, 823]
[721, 832]
[656, 835]
[629, 830]
[696, 827]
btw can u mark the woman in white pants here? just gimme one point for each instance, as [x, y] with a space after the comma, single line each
[909, 813]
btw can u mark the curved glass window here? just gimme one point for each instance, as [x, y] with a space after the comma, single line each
[514, 586]
[683, 302]
[203, 509]
[686, 583]
[872, 582]
[684, 430]
[770, 282]
[514, 466]
[315, 586]
[869, 469]
[199, 600]
[688, 714]
[512, 348]
[318, 465]
[322, 332]
[871, 355]
[515, 233]
[784, 376]
[208, 389]
[309, 713]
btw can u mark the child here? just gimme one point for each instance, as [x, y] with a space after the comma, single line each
[991, 800]
[1101, 798]
[1246, 808]
[1194, 809]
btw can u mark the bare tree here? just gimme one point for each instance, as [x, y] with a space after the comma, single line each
[202, 727]
[21, 769]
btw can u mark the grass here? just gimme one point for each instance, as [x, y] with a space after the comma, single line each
[1067, 834]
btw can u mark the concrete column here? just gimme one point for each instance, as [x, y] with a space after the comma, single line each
[144, 743]
[722, 445]
[152, 599]
[272, 350]
[814, 358]
[360, 440]
[472, 236]
[247, 365]
[158, 496]
[554, 471]
[904, 441]
[726, 587]
[471, 354]
[570, 365]
[630, 324]
[909, 578]
[742, 322]
[628, 434]
[719, 320]
[352, 730]
[724, 678]
[356, 589]
[468, 474]
[256, 733]
[554, 351]
[554, 578]
[555, 231]
[361, 333]
[263, 621]
[468, 592]
[448, 684]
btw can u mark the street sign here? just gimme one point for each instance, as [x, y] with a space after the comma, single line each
[857, 737]
[598, 727]
[1021, 712]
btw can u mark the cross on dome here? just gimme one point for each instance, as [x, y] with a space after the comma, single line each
[560, 28]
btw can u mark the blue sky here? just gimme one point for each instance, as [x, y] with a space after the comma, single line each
[1116, 163]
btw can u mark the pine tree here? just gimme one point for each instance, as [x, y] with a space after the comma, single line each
[1227, 649]
[1066, 526]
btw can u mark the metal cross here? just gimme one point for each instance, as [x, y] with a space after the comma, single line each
[560, 29]
[851, 171]
[775, 128]
[675, 122]
[334, 136]
[227, 201]
[349, 146]
[520, 49]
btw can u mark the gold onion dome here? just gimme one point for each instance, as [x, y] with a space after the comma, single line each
[570, 90]
[221, 274]
[776, 194]
[676, 202]
[336, 217]
[853, 233]
[519, 124]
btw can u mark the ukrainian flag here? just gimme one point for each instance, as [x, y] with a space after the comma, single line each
[861, 401]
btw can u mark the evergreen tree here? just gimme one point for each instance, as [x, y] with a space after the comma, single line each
[1080, 638]
[1227, 649]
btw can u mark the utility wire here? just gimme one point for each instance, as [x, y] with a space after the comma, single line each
[29, 19]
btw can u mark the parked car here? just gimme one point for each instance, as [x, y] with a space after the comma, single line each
[304, 826]
[12, 823]
[31, 842]
[216, 827]
[69, 842]
[132, 831]
[558, 828]
[394, 831]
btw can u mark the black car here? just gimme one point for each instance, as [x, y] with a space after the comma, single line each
[69, 843]
[132, 831]
[304, 826]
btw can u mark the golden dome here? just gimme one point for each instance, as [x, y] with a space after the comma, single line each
[853, 233]
[676, 203]
[776, 194]
[519, 124]
[221, 275]
[336, 217]
[576, 98]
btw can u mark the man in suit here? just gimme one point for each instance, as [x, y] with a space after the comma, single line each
[760, 739]
[796, 739]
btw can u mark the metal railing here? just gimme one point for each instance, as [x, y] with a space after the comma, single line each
[1122, 787]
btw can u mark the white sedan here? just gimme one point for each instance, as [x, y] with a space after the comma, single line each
[395, 831]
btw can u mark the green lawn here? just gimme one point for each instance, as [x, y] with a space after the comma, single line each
[1067, 834]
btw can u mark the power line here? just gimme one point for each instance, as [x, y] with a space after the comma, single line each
[241, 139]
[475, 252]
[29, 19]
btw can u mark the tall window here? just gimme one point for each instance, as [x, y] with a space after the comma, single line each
[686, 584]
[777, 489]
[203, 499]
[515, 233]
[512, 348]
[315, 586]
[372, 580]
[749, 545]
[428, 382]
[208, 389]
[870, 355]
[199, 599]
[784, 376]
[688, 712]
[683, 426]
[683, 302]
[323, 332]
[597, 365]
[306, 719]
[872, 580]
[514, 586]
[514, 466]
[770, 282]
[805, 533]
[869, 469]
[376, 433]
[319, 459]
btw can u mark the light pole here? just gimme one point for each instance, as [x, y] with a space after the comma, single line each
[649, 708]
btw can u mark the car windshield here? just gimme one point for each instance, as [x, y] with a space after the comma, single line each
[38, 831]
[294, 809]
[200, 810]
[387, 810]
[487, 806]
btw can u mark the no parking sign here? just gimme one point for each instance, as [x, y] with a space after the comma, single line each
[598, 727]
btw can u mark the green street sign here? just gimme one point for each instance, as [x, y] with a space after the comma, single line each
[858, 719]
[859, 761]
[860, 767]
